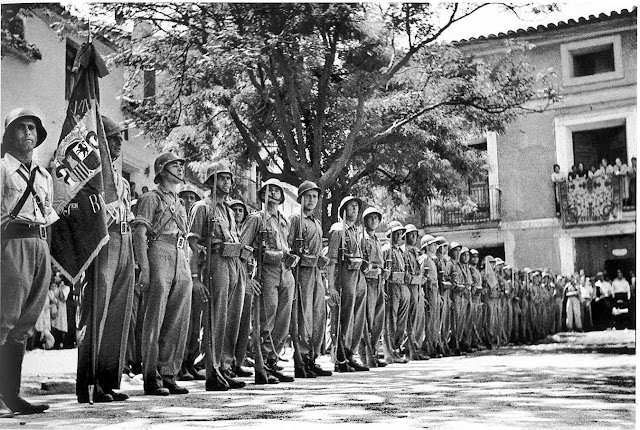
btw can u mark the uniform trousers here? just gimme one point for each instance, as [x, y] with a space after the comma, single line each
[110, 278]
[432, 320]
[475, 319]
[399, 317]
[446, 315]
[353, 293]
[134, 340]
[312, 312]
[278, 286]
[167, 304]
[374, 311]
[192, 348]
[245, 323]
[416, 317]
[25, 272]
[459, 311]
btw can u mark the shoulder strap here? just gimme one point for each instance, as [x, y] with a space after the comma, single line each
[28, 190]
[156, 231]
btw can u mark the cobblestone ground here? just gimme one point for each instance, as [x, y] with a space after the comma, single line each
[584, 380]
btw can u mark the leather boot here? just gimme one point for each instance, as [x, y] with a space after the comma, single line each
[233, 383]
[319, 371]
[5, 412]
[183, 373]
[272, 368]
[11, 357]
[263, 377]
[216, 383]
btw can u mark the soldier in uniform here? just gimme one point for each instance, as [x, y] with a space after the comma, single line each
[305, 236]
[452, 276]
[477, 311]
[350, 289]
[165, 278]
[212, 224]
[433, 338]
[375, 274]
[490, 285]
[27, 197]
[190, 195]
[111, 278]
[465, 282]
[398, 293]
[277, 280]
[240, 210]
[415, 280]
[445, 294]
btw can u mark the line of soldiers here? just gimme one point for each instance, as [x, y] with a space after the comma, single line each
[214, 265]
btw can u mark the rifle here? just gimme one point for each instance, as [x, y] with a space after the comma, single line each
[388, 324]
[297, 302]
[261, 374]
[209, 353]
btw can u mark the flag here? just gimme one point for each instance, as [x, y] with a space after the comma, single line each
[83, 180]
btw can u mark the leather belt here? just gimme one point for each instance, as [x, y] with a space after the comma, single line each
[174, 239]
[119, 227]
[16, 230]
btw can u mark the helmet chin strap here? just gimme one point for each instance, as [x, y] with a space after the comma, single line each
[175, 176]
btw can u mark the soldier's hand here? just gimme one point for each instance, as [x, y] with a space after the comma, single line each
[143, 281]
[334, 297]
[201, 291]
[255, 287]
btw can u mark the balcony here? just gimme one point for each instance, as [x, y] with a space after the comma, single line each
[601, 199]
[481, 206]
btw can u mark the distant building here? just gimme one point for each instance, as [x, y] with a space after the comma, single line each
[513, 214]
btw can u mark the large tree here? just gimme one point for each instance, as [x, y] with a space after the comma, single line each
[345, 95]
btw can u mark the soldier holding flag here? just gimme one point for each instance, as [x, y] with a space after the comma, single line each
[27, 195]
[110, 287]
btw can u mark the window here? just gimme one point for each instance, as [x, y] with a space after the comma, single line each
[592, 63]
[592, 60]
[591, 146]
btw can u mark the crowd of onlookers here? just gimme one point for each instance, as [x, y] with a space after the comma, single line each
[600, 303]
[56, 325]
[619, 169]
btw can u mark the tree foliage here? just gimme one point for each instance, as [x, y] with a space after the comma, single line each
[347, 95]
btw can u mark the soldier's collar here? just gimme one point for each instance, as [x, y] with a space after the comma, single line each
[14, 164]
[163, 190]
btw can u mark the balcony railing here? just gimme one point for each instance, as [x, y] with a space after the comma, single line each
[482, 205]
[595, 200]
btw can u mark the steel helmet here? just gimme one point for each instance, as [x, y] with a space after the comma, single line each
[454, 245]
[190, 188]
[410, 228]
[238, 202]
[307, 186]
[111, 127]
[15, 115]
[395, 226]
[218, 167]
[463, 250]
[371, 211]
[345, 201]
[473, 252]
[273, 182]
[162, 160]
[427, 240]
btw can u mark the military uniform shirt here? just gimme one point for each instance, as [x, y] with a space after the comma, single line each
[351, 244]
[224, 226]
[277, 227]
[411, 255]
[156, 212]
[311, 233]
[372, 250]
[13, 180]
[395, 254]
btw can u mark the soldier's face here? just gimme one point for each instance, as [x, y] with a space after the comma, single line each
[396, 235]
[189, 200]
[177, 170]
[274, 193]
[474, 259]
[310, 200]
[351, 211]
[431, 249]
[372, 222]
[464, 257]
[224, 182]
[239, 213]
[411, 238]
[115, 145]
[454, 253]
[25, 134]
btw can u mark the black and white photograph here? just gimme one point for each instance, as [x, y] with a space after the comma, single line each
[318, 215]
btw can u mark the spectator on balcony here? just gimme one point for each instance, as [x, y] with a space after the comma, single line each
[592, 171]
[582, 172]
[557, 178]
[620, 170]
[573, 173]
[604, 169]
